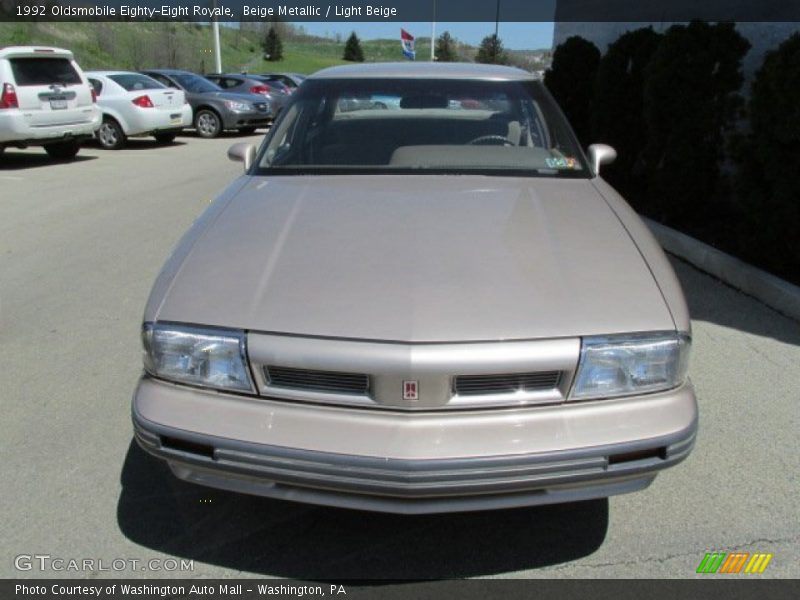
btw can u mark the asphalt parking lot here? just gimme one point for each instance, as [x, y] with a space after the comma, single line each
[80, 245]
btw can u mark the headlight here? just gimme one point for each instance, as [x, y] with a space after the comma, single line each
[238, 106]
[632, 364]
[198, 356]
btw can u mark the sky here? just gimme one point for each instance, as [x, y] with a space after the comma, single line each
[515, 36]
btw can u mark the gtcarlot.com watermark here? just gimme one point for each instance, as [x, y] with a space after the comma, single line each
[60, 564]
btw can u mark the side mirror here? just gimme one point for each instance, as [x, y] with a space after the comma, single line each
[243, 152]
[601, 154]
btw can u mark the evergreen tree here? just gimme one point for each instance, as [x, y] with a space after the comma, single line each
[570, 79]
[273, 47]
[446, 48]
[618, 112]
[491, 51]
[691, 104]
[769, 162]
[352, 49]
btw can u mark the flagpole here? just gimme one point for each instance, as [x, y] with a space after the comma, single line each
[433, 33]
[215, 34]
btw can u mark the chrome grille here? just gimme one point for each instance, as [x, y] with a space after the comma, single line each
[510, 383]
[317, 381]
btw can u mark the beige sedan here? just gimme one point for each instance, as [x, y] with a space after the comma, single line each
[439, 307]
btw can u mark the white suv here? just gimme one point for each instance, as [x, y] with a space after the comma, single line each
[45, 100]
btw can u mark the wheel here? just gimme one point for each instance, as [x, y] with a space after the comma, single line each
[110, 135]
[165, 138]
[491, 140]
[63, 150]
[207, 123]
[247, 130]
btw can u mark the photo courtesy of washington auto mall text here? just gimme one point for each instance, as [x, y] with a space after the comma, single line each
[212, 589]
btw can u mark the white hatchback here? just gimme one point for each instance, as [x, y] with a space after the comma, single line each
[45, 100]
[134, 104]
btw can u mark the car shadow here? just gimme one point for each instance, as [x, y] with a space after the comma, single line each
[714, 301]
[261, 131]
[285, 539]
[17, 160]
[139, 144]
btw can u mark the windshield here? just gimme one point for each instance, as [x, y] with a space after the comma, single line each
[44, 71]
[451, 126]
[133, 82]
[196, 84]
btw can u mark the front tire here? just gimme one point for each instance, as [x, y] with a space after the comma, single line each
[208, 124]
[110, 135]
[164, 138]
[63, 150]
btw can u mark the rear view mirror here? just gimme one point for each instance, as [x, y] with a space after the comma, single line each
[244, 153]
[601, 154]
[424, 101]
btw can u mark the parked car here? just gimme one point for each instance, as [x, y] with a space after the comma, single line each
[276, 93]
[134, 104]
[45, 100]
[418, 310]
[214, 109]
[290, 80]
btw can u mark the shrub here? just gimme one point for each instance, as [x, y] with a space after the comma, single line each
[769, 163]
[491, 51]
[352, 49]
[571, 80]
[273, 46]
[691, 103]
[617, 109]
[446, 48]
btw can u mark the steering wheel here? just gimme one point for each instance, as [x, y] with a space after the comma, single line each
[486, 140]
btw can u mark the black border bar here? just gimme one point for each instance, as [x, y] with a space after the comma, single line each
[734, 588]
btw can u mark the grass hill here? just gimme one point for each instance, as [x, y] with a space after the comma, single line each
[126, 45]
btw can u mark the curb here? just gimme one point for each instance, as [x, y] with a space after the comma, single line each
[776, 293]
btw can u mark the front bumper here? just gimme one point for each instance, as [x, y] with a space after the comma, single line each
[414, 463]
[238, 120]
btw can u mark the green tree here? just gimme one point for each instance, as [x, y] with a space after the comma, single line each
[570, 79]
[352, 49]
[273, 46]
[617, 115]
[769, 163]
[691, 103]
[446, 48]
[491, 51]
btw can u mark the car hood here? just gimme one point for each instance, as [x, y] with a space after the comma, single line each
[417, 259]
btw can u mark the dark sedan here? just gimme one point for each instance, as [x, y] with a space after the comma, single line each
[215, 109]
[290, 80]
[274, 91]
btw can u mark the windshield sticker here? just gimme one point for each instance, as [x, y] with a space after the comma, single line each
[562, 163]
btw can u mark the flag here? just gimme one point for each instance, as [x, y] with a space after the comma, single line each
[407, 42]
